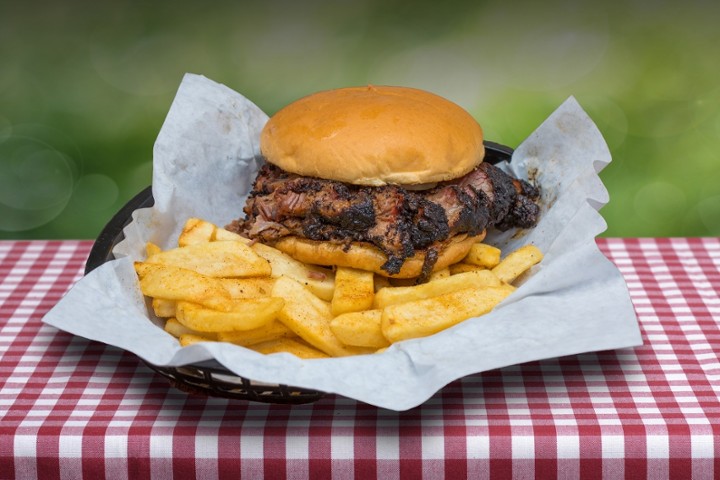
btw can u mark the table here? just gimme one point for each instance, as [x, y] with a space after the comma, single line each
[71, 407]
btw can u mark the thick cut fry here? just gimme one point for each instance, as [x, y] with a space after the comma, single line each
[246, 314]
[216, 259]
[177, 329]
[427, 317]
[308, 316]
[360, 329]
[248, 287]
[191, 339]
[354, 291]
[196, 231]
[151, 249]
[394, 295]
[445, 272]
[319, 281]
[222, 234]
[289, 345]
[271, 331]
[163, 308]
[174, 283]
[483, 255]
[517, 262]
[464, 267]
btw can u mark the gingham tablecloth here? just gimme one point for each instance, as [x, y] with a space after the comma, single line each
[72, 408]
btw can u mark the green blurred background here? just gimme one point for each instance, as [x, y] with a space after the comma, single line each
[84, 89]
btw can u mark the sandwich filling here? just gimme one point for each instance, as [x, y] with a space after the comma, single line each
[397, 221]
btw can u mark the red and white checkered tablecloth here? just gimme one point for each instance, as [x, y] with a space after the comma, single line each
[72, 408]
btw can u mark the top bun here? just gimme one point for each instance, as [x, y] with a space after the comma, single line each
[374, 135]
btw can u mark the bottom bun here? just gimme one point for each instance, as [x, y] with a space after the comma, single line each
[365, 256]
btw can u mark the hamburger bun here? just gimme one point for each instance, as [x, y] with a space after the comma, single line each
[374, 135]
[365, 256]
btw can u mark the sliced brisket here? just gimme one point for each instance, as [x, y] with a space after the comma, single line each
[395, 220]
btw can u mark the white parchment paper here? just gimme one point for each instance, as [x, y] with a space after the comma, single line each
[205, 159]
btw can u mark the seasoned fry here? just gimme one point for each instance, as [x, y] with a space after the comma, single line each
[221, 234]
[464, 267]
[191, 339]
[517, 262]
[272, 331]
[308, 316]
[394, 295]
[151, 249]
[483, 255]
[163, 307]
[174, 283]
[248, 287]
[177, 329]
[215, 259]
[289, 345]
[246, 314]
[196, 231]
[360, 329]
[354, 290]
[445, 272]
[427, 317]
[319, 281]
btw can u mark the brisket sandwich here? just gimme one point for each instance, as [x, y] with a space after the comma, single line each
[386, 179]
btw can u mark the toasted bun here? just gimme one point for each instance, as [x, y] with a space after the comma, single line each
[365, 256]
[374, 136]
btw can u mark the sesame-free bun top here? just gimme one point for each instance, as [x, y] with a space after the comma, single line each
[374, 135]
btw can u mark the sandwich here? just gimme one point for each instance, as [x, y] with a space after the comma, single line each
[380, 178]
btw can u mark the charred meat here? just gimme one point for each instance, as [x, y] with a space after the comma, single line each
[396, 220]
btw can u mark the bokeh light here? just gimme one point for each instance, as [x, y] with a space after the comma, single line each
[36, 182]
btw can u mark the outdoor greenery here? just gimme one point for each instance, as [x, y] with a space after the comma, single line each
[84, 89]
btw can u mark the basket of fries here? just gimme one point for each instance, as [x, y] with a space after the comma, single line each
[197, 325]
[276, 329]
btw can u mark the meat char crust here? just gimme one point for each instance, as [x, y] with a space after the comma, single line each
[397, 221]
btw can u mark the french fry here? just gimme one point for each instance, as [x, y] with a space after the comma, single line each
[191, 339]
[151, 249]
[483, 255]
[289, 345]
[177, 329]
[175, 283]
[215, 259]
[246, 314]
[464, 267]
[354, 290]
[442, 273]
[319, 281]
[394, 295]
[427, 317]
[360, 329]
[163, 307]
[221, 234]
[248, 287]
[308, 316]
[517, 262]
[272, 331]
[196, 231]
